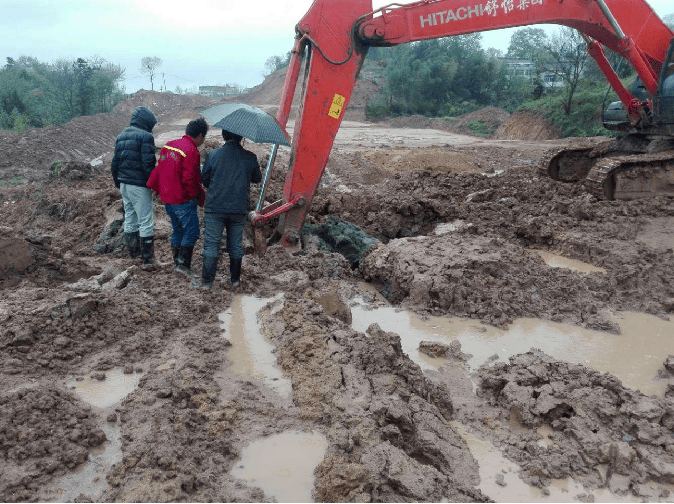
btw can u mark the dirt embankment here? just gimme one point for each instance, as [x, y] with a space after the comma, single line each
[527, 125]
[453, 239]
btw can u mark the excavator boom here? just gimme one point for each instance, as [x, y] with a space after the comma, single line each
[334, 36]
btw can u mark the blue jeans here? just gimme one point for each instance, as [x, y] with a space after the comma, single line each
[185, 221]
[214, 224]
[138, 214]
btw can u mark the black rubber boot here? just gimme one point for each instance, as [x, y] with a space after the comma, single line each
[235, 271]
[208, 272]
[176, 253]
[133, 243]
[184, 262]
[147, 249]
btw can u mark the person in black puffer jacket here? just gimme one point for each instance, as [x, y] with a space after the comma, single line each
[132, 164]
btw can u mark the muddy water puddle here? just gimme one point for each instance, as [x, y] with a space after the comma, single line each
[558, 261]
[106, 392]
[90, 478]
[634, 356]
[283, 465]
[251, 354]
[499, 478]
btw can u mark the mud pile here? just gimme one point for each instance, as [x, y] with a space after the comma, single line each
[267, 95]
[525, 125]
[491, 119]
[595, 421]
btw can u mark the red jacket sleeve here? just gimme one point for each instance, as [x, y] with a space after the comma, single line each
[192, 176]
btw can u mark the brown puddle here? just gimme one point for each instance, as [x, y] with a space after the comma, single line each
[558, 261]
[90, 479]
[105, 393]
[251, 354]
[499, 478]
[634, 356]
[283, 465]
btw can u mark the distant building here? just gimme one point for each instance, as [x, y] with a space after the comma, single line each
[521, 67]
[217, 91]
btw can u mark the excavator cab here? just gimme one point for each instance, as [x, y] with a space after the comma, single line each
[615, 116]
[664, 108]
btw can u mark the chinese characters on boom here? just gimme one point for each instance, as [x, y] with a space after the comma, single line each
[491, 8]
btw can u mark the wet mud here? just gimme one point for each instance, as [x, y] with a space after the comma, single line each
[121, 382]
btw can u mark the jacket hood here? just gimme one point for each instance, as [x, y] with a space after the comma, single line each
[143, 118]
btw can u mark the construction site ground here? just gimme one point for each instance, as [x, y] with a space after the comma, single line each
[505, 338]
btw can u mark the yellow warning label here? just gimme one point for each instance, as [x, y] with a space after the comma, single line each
[337, 106]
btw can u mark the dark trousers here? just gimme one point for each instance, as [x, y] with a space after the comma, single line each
[185, 222]
[233, 225]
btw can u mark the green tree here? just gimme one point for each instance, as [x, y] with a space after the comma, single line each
[569, 55]
[53, 93]
[63, 90]
[275, 63]
[149, 66]
[83, 80]
[528, 43]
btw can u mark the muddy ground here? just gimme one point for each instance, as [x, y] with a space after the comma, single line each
[74, 306]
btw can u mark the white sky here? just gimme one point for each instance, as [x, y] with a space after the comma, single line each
[204, 42]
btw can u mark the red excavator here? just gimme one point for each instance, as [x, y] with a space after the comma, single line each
[333, 39]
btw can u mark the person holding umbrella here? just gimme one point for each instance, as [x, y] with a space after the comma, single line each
[227, 174]
[177, 181]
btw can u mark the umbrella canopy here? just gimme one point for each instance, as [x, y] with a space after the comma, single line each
[249, 122]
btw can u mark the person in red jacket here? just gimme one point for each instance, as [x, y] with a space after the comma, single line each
[177, 180]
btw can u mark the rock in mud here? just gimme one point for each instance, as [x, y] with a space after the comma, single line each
[337, 235]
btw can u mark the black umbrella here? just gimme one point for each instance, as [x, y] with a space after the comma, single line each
[249, 122]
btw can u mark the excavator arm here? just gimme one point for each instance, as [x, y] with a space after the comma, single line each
[334, 36]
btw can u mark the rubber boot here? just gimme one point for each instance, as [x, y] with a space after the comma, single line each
[185, 260]
[208, 273]
[133, 244]
[176, 253]
[147, 249]
[235, 271]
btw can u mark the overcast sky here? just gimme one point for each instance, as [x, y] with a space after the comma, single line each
[204, 42]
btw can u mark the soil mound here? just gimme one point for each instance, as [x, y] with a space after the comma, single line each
[29, 155]
[267, 95]
[490, 117]
[527, 125]
[164, 105]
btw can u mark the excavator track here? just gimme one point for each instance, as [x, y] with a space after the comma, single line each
[616, 169]
[632, 176]
[572, 164]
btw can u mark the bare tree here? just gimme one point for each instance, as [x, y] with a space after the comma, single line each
[669, 20]
[569, 55]
[149, 65]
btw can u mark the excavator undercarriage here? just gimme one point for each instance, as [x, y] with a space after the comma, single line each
[629, 167]
[639, 164]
